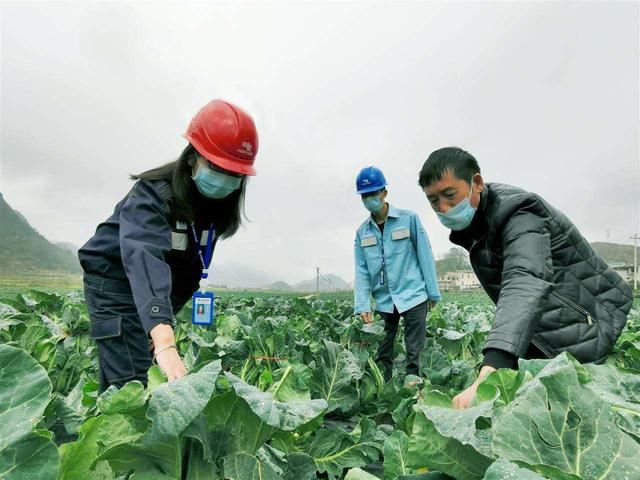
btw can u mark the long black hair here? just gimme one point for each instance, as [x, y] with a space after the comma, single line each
[189, 205]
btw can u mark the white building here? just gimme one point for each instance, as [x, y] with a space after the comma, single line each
[625, 271]
[459, 280]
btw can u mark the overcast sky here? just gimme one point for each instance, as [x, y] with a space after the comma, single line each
[545, 95]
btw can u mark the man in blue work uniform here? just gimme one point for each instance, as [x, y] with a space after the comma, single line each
[394, 264]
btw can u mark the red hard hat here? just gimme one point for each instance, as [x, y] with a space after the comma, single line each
[225, 135]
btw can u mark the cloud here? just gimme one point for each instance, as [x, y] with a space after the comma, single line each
[544, 94]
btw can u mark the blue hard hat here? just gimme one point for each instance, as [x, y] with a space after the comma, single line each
[370, 179]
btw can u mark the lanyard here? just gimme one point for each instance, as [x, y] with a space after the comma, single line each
[382, 249]
[382, 266]
[208, 249]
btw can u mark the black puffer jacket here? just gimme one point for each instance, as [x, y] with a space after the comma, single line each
[550, 287]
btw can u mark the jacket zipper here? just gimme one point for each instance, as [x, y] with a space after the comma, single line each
[537, 345]
[575, 306]
[562, 297]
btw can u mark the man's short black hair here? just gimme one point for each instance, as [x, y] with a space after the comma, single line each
[460, 162]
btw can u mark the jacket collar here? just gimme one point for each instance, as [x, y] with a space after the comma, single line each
[392, 213]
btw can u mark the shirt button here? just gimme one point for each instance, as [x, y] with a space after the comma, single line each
[155, 309]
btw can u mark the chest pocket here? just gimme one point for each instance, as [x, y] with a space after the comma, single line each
[401, 240]
[179, 237]
[370, 246]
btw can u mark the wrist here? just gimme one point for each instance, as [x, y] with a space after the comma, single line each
[484, 372]
[168, 358]
[162, 334]
[497, 358]
[163, 348]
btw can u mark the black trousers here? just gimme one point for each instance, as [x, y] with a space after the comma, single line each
[414, 336]
[123, 346]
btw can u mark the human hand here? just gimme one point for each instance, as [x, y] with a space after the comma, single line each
[168, 358]
[171, 364]
[367, 317]
[463, 400]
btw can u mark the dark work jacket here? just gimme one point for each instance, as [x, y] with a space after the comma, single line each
[142, 244]
[549, 285]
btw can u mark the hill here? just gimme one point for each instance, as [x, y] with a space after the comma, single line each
[72, 247]
[615, 252]
[328, 283]
[24, 250]
[279, 287]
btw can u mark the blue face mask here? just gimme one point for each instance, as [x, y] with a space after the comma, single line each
[213, 184]
[373, 204]
[460, 216]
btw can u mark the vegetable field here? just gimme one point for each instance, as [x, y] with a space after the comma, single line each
[287, 388]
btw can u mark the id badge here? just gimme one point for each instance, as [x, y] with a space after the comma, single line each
[203, 307]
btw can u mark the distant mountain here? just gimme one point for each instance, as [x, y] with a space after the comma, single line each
[239, 275]
[458, 258]
[279, 287]
[73, 248]
[615, 252]
[24, 250]
[328, 283]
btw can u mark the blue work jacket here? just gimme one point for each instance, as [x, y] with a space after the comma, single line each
[395, 267]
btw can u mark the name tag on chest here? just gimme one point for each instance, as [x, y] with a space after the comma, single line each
[400, 234]
[368, 241]
[179, 241]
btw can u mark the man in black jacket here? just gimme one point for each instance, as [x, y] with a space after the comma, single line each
[552, 291]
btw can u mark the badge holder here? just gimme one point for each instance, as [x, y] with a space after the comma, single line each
[203, 308]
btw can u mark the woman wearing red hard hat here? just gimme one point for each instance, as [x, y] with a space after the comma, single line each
[152, 254]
